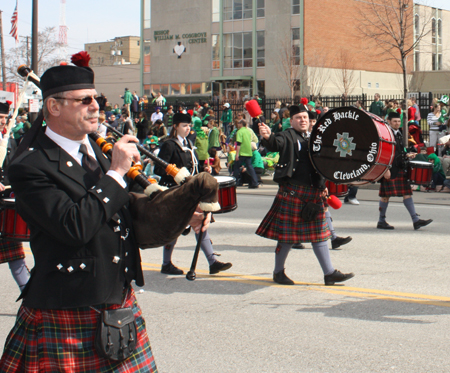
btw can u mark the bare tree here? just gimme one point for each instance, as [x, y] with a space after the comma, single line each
[47, 53]
[345, 77]
[317, 73]
[389, 26]
[288, 66]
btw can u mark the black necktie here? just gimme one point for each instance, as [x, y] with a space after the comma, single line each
[185, 143]
[90, 165]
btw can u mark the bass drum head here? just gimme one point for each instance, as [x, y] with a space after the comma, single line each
[344, 145]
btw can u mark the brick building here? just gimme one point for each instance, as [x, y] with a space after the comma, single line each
[118, 51]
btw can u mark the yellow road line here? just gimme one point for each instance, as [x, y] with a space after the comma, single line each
[305, 286]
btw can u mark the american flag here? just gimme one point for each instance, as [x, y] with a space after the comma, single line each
[13, 31]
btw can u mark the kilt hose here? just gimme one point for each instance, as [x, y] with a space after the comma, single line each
[63, 341]
[397, 187]
[283, 222]
[10, 251]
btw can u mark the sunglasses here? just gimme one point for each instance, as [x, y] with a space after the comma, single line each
[85, 100]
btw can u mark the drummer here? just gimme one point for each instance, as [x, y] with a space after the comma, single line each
[395, 182]
[12, 252]
[179, 150]
[301, 189]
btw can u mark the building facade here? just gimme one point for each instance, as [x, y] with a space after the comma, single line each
[118, 51]
[277, 48]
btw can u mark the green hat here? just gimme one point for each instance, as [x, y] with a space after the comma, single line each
[444, 99]
[312, 103]
[154, 141]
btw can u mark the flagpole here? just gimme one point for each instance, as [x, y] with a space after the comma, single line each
[3, 53]
[34, 39]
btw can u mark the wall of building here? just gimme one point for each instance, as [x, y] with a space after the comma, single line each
[112, 81]
[431, 81]
[332, 25]
[101, 52]
[185, 19]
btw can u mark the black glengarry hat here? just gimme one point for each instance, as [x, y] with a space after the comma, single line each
[295, 109]
[181, 118]
[4, 107]
[392, 115]
[68, 78]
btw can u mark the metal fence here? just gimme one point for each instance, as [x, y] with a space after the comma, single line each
[424, 101]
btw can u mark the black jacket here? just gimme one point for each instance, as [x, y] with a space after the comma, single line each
[142, 129]
[171, 151]
[400, 155]
[293, 166]
[74, 230]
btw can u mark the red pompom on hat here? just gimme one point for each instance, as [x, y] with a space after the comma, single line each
[318, 112]
[9, 102]
[191, 112]
[304, 101]
[81, 59]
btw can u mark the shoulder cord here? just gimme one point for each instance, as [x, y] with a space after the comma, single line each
[193, 158]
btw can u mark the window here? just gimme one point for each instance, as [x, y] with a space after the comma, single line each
[164, 89]
[138, 43]
[237, 51]
[433, 31]
[416, 61]
[216, 10]
[196, 88]
[261, 51]
[296, 46]
[417, 24]
[155, 88]
[175, 89]
[439, 31]
[433, 61]
[241, 9]
[295, 6]
[260, 8]
[147, 89]
[215, 52]
[146, 57]
[439, 61]
[147, 13]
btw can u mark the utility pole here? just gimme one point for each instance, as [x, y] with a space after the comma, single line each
[34, 39]
[3, 53]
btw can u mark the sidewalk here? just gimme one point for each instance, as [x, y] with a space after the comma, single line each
[368, 192]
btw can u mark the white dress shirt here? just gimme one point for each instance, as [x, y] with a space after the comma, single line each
[72, 147]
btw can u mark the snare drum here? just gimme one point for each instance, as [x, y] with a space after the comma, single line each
[338, 190]
[420, 173]
[351, 146]
[12, 226]
[227, 194]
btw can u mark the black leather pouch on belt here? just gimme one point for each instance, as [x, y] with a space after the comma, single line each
[310, 211]
[116, 334]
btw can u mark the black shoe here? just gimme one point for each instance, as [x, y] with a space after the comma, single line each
[422, 223]
[281, 278]
[337, 276]
[253, 186]
[217, 267]
[170, 269]
[298, 246]
[339, 241]
[384, 225]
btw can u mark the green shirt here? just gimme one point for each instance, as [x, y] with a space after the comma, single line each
[214, 138]
[286, 123]
[376, 108]
[244, 137]
[202, 148]
[257, 161]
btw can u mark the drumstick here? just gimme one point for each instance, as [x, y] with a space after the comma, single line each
[191, 274]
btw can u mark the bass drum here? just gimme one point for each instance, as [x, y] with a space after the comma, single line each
[351, 146]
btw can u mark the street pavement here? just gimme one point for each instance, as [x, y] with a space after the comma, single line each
[393, 316]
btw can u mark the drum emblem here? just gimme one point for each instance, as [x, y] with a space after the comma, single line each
[344, 144]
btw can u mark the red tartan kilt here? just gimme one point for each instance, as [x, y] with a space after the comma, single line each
[283, 222]
[10, 251]
[63, 341]
[397, 187]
